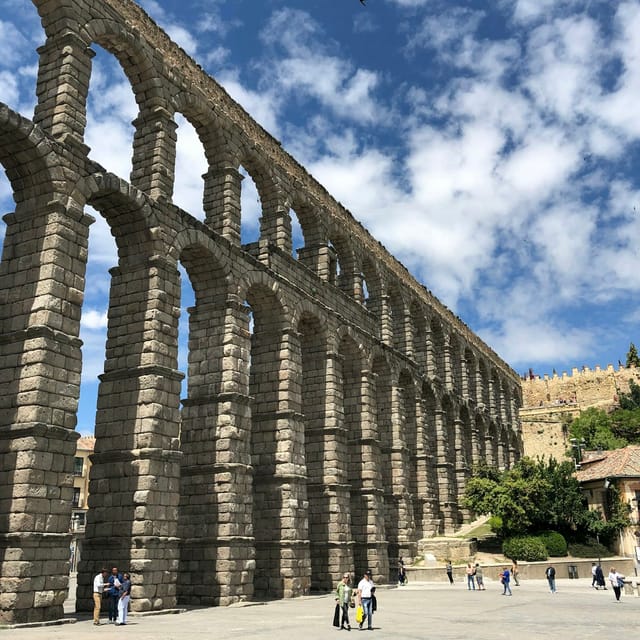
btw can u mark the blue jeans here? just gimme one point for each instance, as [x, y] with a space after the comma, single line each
[507, 588]
[471, 584]
[368, 614]
[552, 584]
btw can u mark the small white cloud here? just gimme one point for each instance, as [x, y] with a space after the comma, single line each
[94, 319]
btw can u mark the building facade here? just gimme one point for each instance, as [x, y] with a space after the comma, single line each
[334, 407]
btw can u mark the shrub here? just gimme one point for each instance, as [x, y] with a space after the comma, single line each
[594, 550]
[495, 523]
[554, 542]
[529, 548]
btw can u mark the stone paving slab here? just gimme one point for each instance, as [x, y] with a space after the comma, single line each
[418, 611]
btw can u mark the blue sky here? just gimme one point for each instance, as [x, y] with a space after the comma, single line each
[492, 147]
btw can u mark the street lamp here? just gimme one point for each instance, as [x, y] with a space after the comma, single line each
[578, 446]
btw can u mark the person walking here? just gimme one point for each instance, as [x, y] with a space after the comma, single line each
[617, 582]
[505, 578]
[471, 583]
[123, 599]
[99, 587]
[343, 598]
[366, 589]
[600, 582]
[479, 577]
[402, 574]
[514, 572]
[449, 570]
[551, 578]
[594, 577]
[115, 581]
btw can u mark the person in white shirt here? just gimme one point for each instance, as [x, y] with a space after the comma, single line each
[98, 590]
[616, 579]
[366, 589]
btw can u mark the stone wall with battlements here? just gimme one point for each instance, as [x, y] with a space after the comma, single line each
[550, 400]
[334, 406]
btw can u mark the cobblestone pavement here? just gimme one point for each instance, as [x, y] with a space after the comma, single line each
[417, 611]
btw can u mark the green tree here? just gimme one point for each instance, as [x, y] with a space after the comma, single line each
[535, 496]
[633, 360]
[631, 400]
[595, 427]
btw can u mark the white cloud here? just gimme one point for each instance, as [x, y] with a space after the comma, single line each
[94, 319]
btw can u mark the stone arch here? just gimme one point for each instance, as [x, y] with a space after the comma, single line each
[27, 157]
[428, 498]
[345, 275]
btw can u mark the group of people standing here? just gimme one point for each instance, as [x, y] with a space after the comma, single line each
[116, 588]
[363, 596]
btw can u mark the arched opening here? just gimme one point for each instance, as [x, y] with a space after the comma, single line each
[465, 457]
[251, 209]
[190, 166]
[111, 108]
[448, 464]
[371, 287]
[483, 391]
[297, 234]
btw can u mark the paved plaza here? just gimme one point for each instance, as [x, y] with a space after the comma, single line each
[421, 611]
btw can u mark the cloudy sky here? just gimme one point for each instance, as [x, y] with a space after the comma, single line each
[494, 151]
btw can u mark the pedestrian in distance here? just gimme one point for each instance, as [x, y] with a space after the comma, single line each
[551, 578]
[402, 574]
[505, 579]
[600, 581]
[514, 572]
[471, 582]
[449, 570]
[617, 582]
[594, 577]
[115, 581]
[479, 577]
[123, 599]
[343, 598]
[100, 586]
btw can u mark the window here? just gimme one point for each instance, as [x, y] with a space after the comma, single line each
[78, 465]
[76, 497]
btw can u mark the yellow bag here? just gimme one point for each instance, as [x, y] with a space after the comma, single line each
[359, 614]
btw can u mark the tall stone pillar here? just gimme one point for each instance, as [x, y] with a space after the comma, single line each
[283, 563]
[154, 152]
[336, 474]
[221, 201]
[135, 474]
[41, 288]
[448, 364]
[215, 527]
[275, 227]
[461, 467]
[386, 328]
[367, 495]
[444, 465]
[426, 490]
[401, 478]
[64, 72]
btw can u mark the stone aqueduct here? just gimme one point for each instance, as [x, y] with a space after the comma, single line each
[330, 433]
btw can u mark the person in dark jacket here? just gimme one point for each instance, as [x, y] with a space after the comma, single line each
[115, 581]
